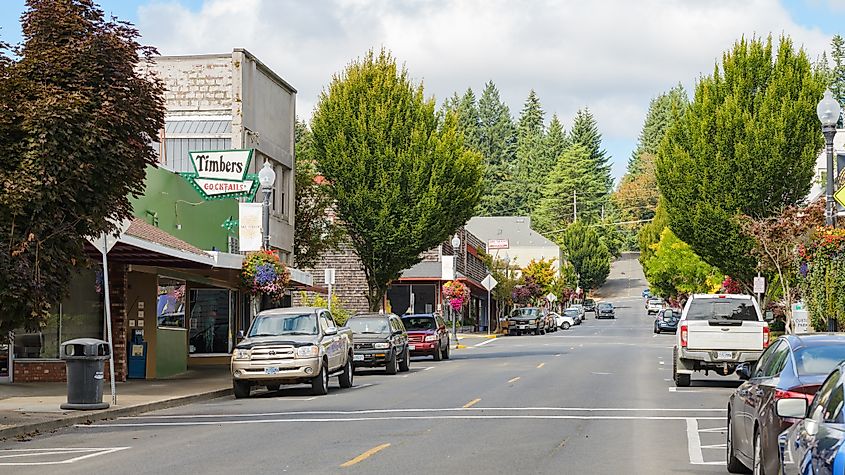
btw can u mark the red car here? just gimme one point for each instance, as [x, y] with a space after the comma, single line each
[427, 335]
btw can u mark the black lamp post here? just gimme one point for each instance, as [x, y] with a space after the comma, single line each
[266, 177]
[828, 112]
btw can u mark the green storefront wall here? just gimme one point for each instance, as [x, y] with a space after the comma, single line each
[171, 203]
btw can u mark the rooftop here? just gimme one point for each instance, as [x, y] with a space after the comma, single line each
[516, 229]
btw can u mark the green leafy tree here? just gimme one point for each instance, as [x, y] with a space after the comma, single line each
[497, 143]
[543, 272]
[571, 175]
[340, 313]
[588, 255]
[315, 232]
[675, 270]
[77, 115]
[649, 234]
[466, 108]
[837, 73]
[401, 184]
[747, 144]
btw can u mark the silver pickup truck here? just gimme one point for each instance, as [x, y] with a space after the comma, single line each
[299, 345]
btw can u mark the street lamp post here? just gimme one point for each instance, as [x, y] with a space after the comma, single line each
[266, 177]
[828, 111]
[456, 243]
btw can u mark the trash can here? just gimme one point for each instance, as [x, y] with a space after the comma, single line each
[85, 358]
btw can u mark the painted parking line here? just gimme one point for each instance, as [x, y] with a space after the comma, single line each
[513, 380]
[80, 453]
[541, 365]
[472, 403]
[365, 455]
[489, 340]
[704, 454]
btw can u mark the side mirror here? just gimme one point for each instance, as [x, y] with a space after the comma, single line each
[769, 316]
[241, 334]
[792, 407]
[744, 371]
[331, 331]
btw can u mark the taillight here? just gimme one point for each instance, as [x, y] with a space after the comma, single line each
[791, 394]
[766, 336]
[684, 335]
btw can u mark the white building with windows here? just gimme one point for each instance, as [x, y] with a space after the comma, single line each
[522, 243]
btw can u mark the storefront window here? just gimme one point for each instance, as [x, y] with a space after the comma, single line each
[170, 306]
[209, 321]
[80, 315]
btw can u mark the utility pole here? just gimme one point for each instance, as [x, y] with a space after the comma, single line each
[574, 206]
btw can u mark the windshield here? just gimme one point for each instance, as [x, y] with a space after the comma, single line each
[419, 323]
[276, 325]
[655, 302]
[605, 306]
[571, 313]
[722, 309]
[524, 312]
[368, 325]
[819, 359]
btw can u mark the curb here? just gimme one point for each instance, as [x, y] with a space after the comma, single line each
[88, 418]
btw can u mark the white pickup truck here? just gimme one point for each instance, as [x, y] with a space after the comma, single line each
[718, 332]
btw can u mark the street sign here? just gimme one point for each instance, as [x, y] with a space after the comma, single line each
[839, 196]
[447, 268]
[249, 226]
[551, 297]
[489, 282]
[800, 319]
[759, 285]
[498, 244]
[105, 245]
[329, 276]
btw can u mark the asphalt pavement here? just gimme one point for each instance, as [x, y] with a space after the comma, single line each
[595, 399]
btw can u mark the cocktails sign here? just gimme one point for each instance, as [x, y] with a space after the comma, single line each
[222, 174]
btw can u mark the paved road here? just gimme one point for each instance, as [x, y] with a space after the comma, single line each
[596, 399]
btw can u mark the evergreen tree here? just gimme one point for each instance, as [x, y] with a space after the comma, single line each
[531, 160]
[588, 254]
[748, 143]
[597, 182]
[555, 143]
[469, 121]
[572, 175]
[657, 122]
[497, 144]
[837, 73]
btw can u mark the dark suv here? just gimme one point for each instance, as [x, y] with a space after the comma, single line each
[605, 310]
[525, 320]
[590, 305]
[379, 339]
[428, 335]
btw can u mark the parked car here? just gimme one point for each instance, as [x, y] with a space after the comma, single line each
[525, 320]
[292, 346]
[380, 340]
[580, 308]
[605, 310]
[654, 305]
[575, 314]
[564, 322]
[793, 367]
[717, 333]
[646, 293]
[816, 443]
[589, 305]
[667, 321]
[427, 335]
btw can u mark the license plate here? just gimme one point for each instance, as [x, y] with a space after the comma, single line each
[357, 357]
[412, 347]
[724, 355]
[271, 370]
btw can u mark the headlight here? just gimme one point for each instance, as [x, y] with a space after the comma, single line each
[381, 346]
[241, 354]
[431, 338]
[533, 322]
[310, 351]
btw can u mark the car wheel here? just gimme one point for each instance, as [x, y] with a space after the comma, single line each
[657, 330]
[565, 326]
[537, 331]
[241, 389]
[320, 383]
[682, 380]
[757, 462]
[447, 352]
[438, 352]
[392, 366]
[273, 387]
[734, 465]
[346, 377]
[405, 364]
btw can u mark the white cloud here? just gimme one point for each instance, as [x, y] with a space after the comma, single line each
[611, 55]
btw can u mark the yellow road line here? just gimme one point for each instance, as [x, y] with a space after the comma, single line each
[365, 455]
[472, 403]
[514, 379]
[541, 365]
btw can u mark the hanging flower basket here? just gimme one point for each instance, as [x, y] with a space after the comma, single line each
[263, 273]
[456, 294]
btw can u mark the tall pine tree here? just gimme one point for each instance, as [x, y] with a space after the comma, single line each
[657, 122]
[497, 143]
[524, 191]
[837, 84]
[598, 182]
[571, 176]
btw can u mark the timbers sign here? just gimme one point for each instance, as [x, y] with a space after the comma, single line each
[220, 174]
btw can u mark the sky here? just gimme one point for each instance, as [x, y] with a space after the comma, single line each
[612, 56]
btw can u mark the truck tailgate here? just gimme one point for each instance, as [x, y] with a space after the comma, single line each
[704, 335]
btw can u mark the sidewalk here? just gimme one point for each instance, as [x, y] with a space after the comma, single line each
[30, 408]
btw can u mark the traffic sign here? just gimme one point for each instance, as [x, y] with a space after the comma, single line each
[551, 297]
[489, 282]
[839, 196]
[759, 285]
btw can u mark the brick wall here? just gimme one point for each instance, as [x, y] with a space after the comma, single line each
[196, 83]
[350, 280]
